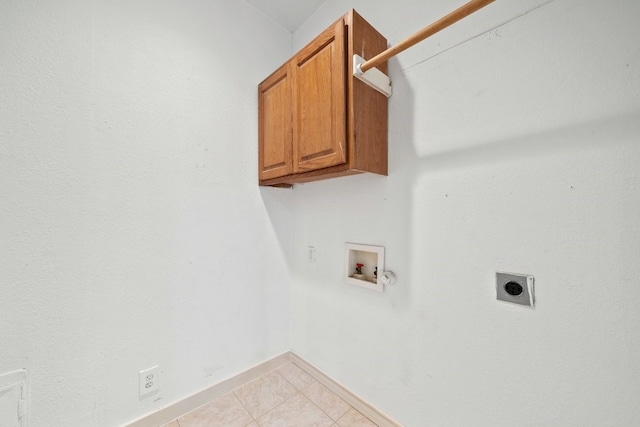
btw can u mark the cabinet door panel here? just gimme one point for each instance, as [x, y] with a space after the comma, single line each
[319, 94]
[276, 130]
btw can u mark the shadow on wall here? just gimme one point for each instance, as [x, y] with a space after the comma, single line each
[591, 134]
[278, 203]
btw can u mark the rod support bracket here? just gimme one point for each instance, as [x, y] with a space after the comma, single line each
[373, 77]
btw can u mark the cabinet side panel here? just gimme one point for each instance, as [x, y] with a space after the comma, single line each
[275, 127]
[368, 109]
[319, 102]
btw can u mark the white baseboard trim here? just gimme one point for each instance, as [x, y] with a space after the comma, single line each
[358, 403]
[184, 406]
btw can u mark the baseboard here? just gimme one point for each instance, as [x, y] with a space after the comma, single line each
[184, 406]
[358, 403]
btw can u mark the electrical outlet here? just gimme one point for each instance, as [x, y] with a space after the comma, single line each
[515, 288]
[149, 381]
[312, 254]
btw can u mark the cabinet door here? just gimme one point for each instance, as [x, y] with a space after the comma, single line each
[319, 96]
[275, 130]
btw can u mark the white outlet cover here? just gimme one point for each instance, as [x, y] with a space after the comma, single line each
[149, 381]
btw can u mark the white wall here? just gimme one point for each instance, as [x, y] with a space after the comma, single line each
[132, 229]
[516, 150]
[133, 232]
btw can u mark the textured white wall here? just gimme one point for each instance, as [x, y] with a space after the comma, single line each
[516, 150]
[133, 233]
[132, 230]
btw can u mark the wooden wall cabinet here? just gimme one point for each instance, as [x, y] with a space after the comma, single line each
[316, 120]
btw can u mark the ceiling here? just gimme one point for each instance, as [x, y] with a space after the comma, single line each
[289, 13]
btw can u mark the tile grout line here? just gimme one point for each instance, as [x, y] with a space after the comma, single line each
[286, 400]
[243, 405]
[278, 405]
[290, 383]
[274, 370]
[300, 391]
[367, 410]
[314, 403]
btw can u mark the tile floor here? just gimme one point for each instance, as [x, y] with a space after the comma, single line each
[284, 397]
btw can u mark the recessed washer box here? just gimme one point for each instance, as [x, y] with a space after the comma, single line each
[515, 288]
[363, 266]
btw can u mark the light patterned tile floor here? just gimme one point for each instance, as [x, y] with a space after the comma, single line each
[285, 397]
